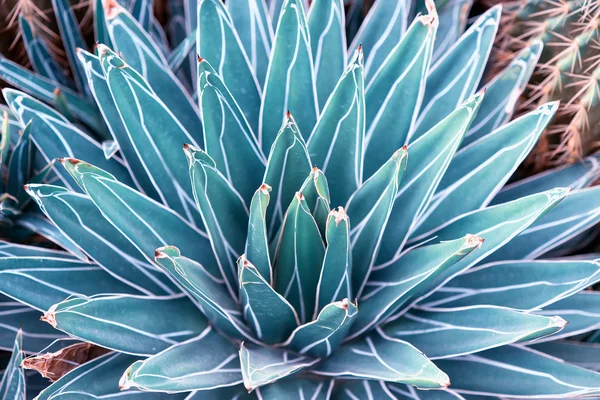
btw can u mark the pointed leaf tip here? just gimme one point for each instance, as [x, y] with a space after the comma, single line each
[50, 317]
[112, 9]
[339, 215]
[431, 19]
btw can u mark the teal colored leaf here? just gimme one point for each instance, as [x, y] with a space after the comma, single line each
[502, 93]
[530, 373]
[228, 138]
[264, 365]
[381, 30]
[77, 217]
[405, 392]
[137, 325]
[327, 25]
[336, 143]
[274, 8]
[316, 192]
[96, 379]
[454, 17]
[207, 362]
[139, 218]
[456, 75]
[72, 39]
[209, 291]
[182, 52]
[574, 176]
[326, 333]
[253, 25]
[43, 89]
[394, 285]
[56, 137]
[298, 258]
[101, 93]
[430, 156]
[582, 312]
[362, 389]
[41, 282]
[9, 249]
[142, 12]
[579, 212]
[290, 82]
[478, 171]
[585, 355]
[20, 164]
[219, 43]
[268, 313]
[377, 357]
[37, 223]
[100, 27]
[39, 55]
[394, 95]
[335, 280]
[287, 168]
[110, 148]
[452, 332]
[12, 385]
[257, 241]
[223, 211]
[523, 285]
[143, 55]
[369, 209]
[297, 388]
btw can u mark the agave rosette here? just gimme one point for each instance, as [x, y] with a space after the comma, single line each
[325, 221]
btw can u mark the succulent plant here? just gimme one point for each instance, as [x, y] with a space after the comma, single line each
[337, 224]
[569, 72]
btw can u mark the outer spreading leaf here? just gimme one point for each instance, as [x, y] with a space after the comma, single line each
[456, 75]
[581, 310]
[362, 389]
[12, 385]
[519, 372]
[336, 143]
[295, 387]
[582, 354]
[227, 136]
[430, 156]
[323, 336]
[290, 82]
[9, 249]
[264, 365]
[326, 24]
[268, 313]
[298, 258]
[207, 362]
[454, 17]
[129, 324]
[369, 210]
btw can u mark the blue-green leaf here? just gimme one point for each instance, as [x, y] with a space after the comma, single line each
[223, 211]
[395, 284]
[209, 291]
[523, 285]
[379, 33]
[454, 17]
[394, 96]
[585, 355]
[369, 209]
[502, 93]
[182, 52]
[41, 282]
[335, 280]
[129, 324]
[515, 371]
[287, 168]
[456, 75]
[298, 258]
[81, 221]
[228, 138]
[219, 43]
[290, 83]
[430, 156]
[12, 386]
[8, 249]
[268, 313]
[361, 389]
[144, 222]
[142, 12]
[327, 24]
[255, 31]
[39, 55]
[379, 357]
[336, 143]
[207, 363]
[143, 55]
[452, 332]
[297, 388]
[264, 365]
[582, 312]
[325, 334]
[316, 192]
[257, 241]
[43, 88]
[479, 170]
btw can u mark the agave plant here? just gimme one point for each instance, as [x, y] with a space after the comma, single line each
[326, 221]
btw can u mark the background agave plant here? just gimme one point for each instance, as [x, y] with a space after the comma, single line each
[336, 226]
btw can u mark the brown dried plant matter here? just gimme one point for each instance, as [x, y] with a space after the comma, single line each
[568, 71]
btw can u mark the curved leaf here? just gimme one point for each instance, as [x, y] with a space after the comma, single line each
[582, 311]
[257, 241]
[297, 388]
[12, 385]
[316, 192]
